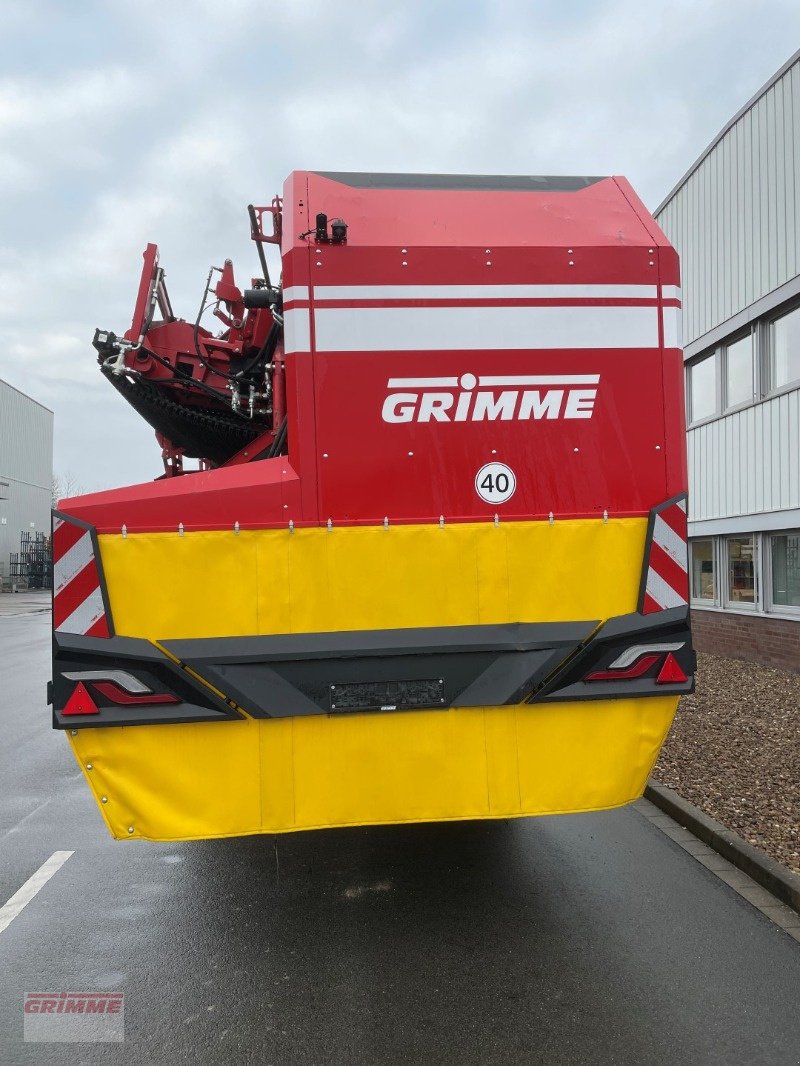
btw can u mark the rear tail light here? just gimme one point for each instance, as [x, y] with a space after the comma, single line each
[118, 687]
[639, 660]
[643, 665]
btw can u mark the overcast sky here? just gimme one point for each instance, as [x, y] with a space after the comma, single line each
[134, 120]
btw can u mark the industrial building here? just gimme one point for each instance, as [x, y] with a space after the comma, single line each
[735, 220]
[26, 475]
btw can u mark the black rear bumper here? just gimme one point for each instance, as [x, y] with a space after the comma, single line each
[288, 675]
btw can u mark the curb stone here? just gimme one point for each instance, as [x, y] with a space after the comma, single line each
[771, 875]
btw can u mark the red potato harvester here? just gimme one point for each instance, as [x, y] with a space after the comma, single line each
[432, 562]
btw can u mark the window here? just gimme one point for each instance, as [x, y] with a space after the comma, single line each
[703, 388]
[786, 569]
[741, 571]
[785, 350]
[739, 371]
[704, 571]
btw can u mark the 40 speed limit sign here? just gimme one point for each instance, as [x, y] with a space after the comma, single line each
[495, 483]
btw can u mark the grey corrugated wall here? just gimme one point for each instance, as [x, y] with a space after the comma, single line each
[736, 219]
[26, 467]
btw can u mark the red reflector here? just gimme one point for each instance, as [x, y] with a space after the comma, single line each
[671, 672]
[80, 702]
[639, 668]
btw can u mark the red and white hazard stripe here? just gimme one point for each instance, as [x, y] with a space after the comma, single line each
[667, 579]
[78, 603]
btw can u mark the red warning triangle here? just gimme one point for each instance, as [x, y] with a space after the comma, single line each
[671, 672]
[80, 702]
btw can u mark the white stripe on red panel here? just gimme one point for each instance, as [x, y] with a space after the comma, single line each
[72, 562]
[667, 582]
[405, 329]
[297, 330]
[671, 542]
[295, 292]
[477, 292]
[662, 593]
[76, 583]
[673, 327]
[84, 617]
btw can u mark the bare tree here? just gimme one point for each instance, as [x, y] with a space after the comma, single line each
[64, 486]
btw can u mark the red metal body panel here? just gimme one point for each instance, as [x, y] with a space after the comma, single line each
[570, 294]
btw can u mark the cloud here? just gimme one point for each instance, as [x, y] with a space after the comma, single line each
[206, 107]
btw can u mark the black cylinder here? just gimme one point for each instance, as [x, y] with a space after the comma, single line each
[258, 298]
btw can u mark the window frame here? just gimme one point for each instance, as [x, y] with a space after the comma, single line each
[769, 346]
[742, 605]
[714, 356]
[723, 371]
[715, 600]
[786, 609]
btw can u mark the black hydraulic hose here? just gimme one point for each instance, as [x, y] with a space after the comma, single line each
[278, 442]
[181, 380]
[255, 233]
[265, 352]
[212, 369]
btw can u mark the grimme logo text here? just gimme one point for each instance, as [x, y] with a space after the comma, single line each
[490, 398]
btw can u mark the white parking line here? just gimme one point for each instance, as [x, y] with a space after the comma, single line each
[24, 895]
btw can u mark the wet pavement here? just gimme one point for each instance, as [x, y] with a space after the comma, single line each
[583, 939]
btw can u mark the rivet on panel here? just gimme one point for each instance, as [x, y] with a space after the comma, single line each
[404, 250]
[73, 732]
[318, 263]
[330, 524]
[605, 516]
[494, 451]
[180, 529]
[124, 531]
[291, 526]
[571, 263]
[576, 449]
[236, 528]
[405, 264]
[104, 799]
[441, 521]
[324, 455]
[488, 262]
[386, 522]
[89, 766]
[130, 828]
[496, 519]
[658, 447]
[410, 453]
[550, 518]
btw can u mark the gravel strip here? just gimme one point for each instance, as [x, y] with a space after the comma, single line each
[734, 751]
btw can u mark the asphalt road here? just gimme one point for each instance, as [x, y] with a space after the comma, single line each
[585, 939]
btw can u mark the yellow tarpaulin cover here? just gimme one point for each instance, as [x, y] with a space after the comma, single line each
[213, 779]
